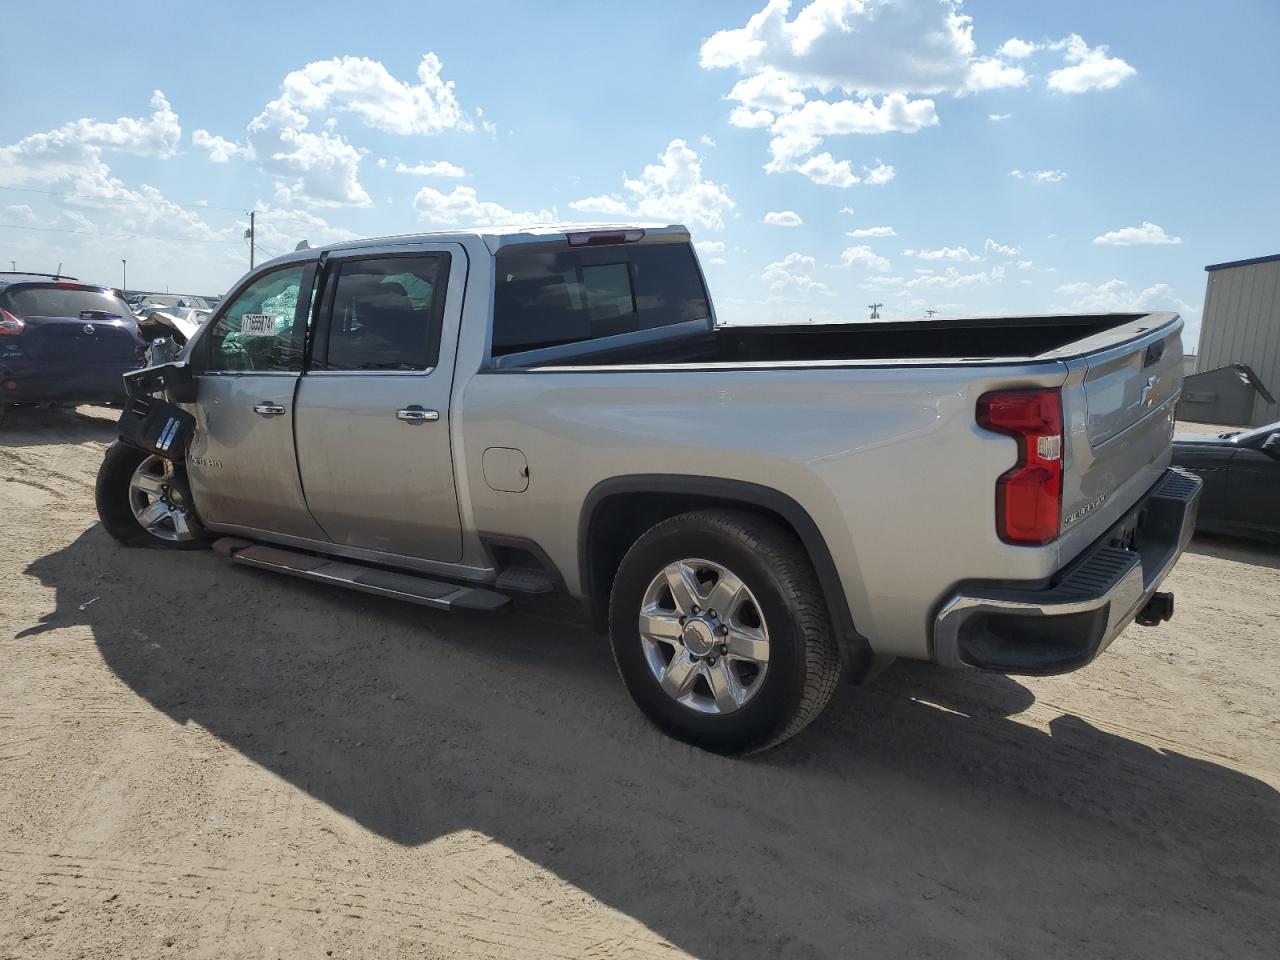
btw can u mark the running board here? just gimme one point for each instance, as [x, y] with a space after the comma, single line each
[355, 576]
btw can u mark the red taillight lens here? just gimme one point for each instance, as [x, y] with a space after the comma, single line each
[1029, 496]
[11, 326]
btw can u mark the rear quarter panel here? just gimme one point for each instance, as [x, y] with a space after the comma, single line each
[888, 462]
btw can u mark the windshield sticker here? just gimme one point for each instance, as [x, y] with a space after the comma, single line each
[258, 325]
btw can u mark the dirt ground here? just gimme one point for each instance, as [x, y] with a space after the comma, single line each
[202, 760]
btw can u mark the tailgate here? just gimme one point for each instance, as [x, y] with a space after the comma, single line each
[1118, 405]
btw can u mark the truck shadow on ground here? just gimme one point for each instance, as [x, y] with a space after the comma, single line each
[45, 426]
[914, 818]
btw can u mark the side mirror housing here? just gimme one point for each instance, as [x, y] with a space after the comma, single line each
[1271, 446]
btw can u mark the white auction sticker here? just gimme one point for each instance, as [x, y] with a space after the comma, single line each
[258, 325]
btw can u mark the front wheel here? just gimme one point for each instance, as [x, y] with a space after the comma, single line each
[143, 501]
[721, 633]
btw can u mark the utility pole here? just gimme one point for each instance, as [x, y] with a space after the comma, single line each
[13, 265]
[249, 235]
[875, 310]
[930, 313]
[124, 276]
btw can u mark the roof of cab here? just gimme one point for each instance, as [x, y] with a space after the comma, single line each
[496, 237]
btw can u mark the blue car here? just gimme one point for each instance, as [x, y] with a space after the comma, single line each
[63, 341]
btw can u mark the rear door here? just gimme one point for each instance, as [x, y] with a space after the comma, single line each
[1253, 488]
[242, 465]
[373, 408]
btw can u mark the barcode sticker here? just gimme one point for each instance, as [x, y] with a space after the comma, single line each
[258, 325]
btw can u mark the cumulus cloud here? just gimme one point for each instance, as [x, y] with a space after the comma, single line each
[1016, 49]
[1118, 296]
[1147, 234]
[434, 168]
[783, 218]
[463, 206]
[998, 117]
[710, 246]
[322, 168]
[794, 272]
[1089, 68]
[864, 257]
[220, 148]
[868, 232]
[19, 213]
[1000, 249]
[943, 253]
[1039, 176]
[673, 189]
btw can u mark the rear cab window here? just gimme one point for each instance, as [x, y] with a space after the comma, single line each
[551, 294]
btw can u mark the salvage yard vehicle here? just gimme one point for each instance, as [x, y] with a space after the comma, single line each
[1241, 474]
[63, 341]
[456, 418]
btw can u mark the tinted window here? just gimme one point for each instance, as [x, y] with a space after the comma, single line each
[546, 296]
[385, 314]
[256, 331]
[64, 302]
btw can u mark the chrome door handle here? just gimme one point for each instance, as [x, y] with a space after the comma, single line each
[268, 409]
[417, 414]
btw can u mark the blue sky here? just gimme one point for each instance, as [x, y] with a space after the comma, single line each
[1143, 134]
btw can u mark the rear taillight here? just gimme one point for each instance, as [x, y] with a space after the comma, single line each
[595, 238]
[1029, 496]
[11, 326]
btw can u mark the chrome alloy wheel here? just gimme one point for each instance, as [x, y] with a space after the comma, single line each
[704, 636]
[157, 501]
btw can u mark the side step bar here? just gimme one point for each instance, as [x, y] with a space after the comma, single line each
[355, 576]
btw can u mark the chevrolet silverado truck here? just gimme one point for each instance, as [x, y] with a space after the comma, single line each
[749, 512]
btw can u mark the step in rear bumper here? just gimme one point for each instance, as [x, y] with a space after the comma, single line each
[1063, 626]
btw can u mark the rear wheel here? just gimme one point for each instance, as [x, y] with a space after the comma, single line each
[143, 501]
[721, 633]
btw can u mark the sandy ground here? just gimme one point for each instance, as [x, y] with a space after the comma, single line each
[201, 760]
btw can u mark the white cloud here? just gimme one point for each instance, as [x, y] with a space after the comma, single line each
[783, 218]
[750, 119]
[992, 73]
[1089, 68]
[953, 279]
[1148, 233]
[878, 175]
[463, 206]
[863, 256]
[278, 229]
[767, 90]
[869, 232]
[366, 88]
[706, 140]
[1039, 176]
[848, 210]
[322, 169]
[794, 272]
[20, 213]
[871, 46]
[1016, 49]
[1118, 296]
[1000, 249]
[1024, 265]
[220, 148]
[710, 246]
[998, 117]
[944, 253]
[672, 189]
[434, 168]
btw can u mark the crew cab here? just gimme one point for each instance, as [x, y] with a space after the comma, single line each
[749, 512]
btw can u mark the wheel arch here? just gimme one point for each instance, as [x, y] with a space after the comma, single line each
[618, 510]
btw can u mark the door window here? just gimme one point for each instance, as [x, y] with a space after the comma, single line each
[385, 314]
[256, 332]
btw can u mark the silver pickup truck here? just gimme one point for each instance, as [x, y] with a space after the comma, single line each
[750, 512]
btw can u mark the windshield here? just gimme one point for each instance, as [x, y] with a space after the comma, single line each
[54, 301]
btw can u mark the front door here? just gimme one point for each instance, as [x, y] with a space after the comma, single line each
[241, 464]
[372, 421]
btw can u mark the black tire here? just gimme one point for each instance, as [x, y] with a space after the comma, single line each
[804, 661]
[112, 496]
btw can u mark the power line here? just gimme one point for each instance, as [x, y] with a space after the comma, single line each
[125, 236]
[91, 198]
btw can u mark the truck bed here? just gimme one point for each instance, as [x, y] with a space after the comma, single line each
[977, 340]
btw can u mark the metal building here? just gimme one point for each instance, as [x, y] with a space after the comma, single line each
[1241, 325]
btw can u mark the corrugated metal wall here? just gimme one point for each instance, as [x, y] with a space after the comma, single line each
[1242, 325]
